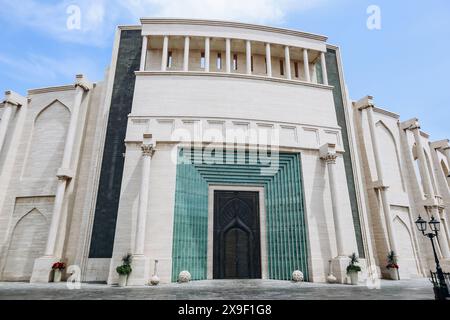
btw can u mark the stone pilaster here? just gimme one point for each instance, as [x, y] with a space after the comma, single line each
[340, 263]
[141, 263]
[366, 105]
[42, 267]
[9, 106]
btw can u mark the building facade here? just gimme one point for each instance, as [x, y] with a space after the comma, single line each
[224, 149]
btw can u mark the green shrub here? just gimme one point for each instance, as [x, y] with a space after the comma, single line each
[124, 270]
[353, 267]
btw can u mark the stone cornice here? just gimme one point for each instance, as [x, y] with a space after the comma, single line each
[231, 24]
[231, 75]
[412, 124]
[11, 102]
[364, 103]
[386, 113]
[131, 27]
[51, 89]
[441, 144]
[82, 83]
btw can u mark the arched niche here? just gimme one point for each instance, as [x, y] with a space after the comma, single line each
[27, 243]
[391, 164]
[47, 142]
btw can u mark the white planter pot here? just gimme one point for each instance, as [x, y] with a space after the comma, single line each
[57, 274]
[354, 278]
[393, 274]
[123, 280]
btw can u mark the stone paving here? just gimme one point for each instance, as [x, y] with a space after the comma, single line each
[418, 289]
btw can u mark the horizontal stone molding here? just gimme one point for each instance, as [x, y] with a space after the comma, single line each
[231, 75]
[220, 23]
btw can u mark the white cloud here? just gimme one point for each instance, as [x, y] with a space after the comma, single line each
[99, 17]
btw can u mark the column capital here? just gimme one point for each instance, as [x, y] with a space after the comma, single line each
[364, 103]
[148, 146]
[328, 153]
[412, 124]
[64, 174]
[381, 187]
[148, 150]
[441, 145]
[14, 99]
[82, 82]
[11, 103]
[330, 158]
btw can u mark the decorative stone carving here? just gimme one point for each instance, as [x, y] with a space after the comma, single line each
[148, 150]
[184, 277]
[330, 158]
[328, 153]
[297, 276]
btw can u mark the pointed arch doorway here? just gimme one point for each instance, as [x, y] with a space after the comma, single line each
[237, 246]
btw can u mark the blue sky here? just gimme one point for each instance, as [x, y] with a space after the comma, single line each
[405, 65]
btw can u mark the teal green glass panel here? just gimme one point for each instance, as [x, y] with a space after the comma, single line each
[285, 220]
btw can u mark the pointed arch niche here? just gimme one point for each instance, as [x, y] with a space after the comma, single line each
[391, 164]
[28, 242]
[46, 148]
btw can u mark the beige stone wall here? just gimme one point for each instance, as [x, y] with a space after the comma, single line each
[35, 145]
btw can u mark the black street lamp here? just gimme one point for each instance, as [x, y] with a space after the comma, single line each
[435, 226]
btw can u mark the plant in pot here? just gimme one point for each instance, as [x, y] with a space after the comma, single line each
[353, 269]
[124, 270]
[58, 268]
[393, 266]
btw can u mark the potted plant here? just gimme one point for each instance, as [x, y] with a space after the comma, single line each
[393, 266]
[58, 268]
[124, 270]
[353, 269]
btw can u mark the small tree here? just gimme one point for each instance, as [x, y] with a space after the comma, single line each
[353, 267]
[125, 269]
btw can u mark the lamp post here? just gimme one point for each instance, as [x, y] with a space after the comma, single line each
[435, 228]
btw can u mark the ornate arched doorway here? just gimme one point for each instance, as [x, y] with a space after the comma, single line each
[237, 247]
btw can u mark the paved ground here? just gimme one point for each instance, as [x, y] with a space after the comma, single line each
[217, 290]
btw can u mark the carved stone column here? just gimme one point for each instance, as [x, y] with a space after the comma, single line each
[324, 68]
[306, 65]
[269, 60]
[287, 58]
[186, 54]
[140, 275]
[207, 54]
[228, 55]
[340, 263]
[165, 53]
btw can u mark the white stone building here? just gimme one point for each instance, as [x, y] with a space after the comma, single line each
[225, 149]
